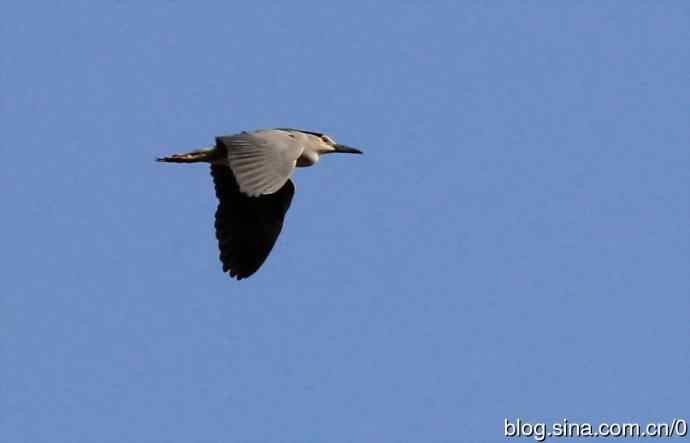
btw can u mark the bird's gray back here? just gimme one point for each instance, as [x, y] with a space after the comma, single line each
[262, 161]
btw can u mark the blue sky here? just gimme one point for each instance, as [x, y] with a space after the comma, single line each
[513, 244]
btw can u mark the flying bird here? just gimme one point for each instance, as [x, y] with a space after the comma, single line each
[251, 173]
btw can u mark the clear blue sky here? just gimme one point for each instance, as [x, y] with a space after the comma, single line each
[513, 243]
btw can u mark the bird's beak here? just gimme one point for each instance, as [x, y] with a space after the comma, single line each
[349, 150]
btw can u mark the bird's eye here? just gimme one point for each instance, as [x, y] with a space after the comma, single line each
[326, 139]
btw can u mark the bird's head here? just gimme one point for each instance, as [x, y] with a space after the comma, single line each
[325, 144]
[316, 144]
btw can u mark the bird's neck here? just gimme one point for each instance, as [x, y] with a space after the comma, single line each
[308, 158]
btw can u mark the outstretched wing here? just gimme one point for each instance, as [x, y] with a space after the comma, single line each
[262, 161]
[247, 227]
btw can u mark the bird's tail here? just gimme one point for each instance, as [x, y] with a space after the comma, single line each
[200, 155]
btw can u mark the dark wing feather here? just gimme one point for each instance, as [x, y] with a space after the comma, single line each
[247, 227]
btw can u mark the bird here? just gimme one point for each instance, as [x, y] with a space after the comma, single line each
[251, 173]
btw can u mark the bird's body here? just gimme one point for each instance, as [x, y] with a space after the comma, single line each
[251, 173]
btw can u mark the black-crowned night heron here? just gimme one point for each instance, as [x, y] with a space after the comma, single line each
[251, 172]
